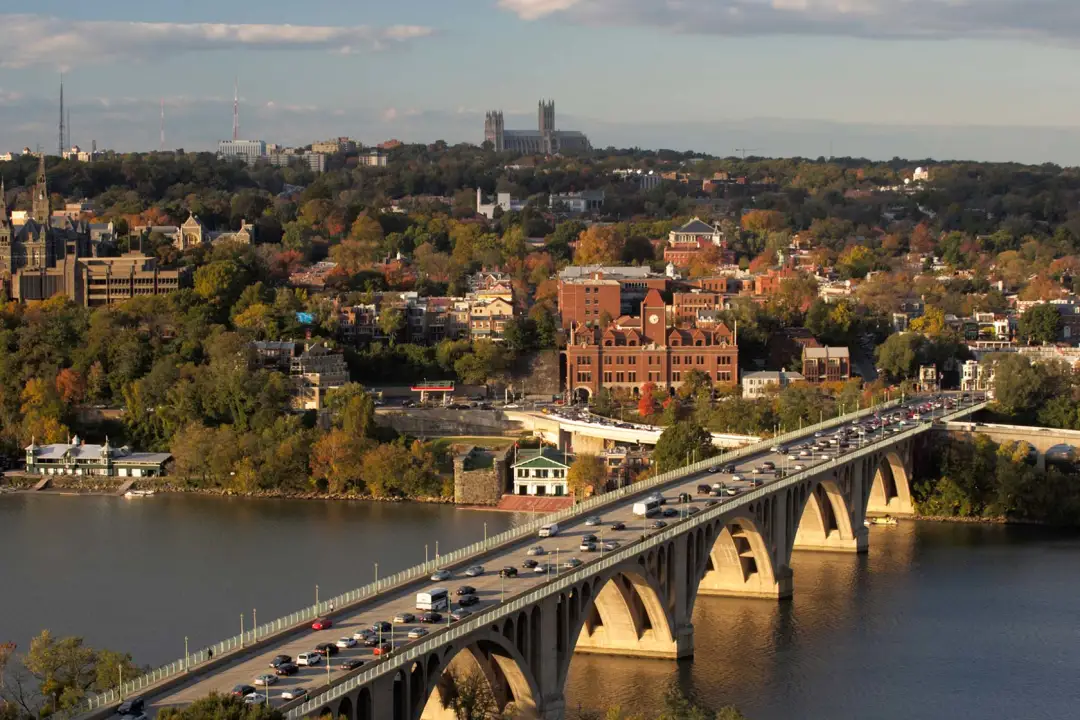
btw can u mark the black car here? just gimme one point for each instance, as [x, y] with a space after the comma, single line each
[286, 669]
[326, 649]
[350, 663]
[618, 526]
[468, 600]
[588, 537]
[131, 706]
[694, 510]
[508, 572]
[710, 503]
[371, 641]
[703, 489]
[529, 564]
[670, 512]
[381, 626]
[728, 469]
[280, 660]
[242, 690]
[657, 524]
[685, 497]
[465, 590]
[431, 617]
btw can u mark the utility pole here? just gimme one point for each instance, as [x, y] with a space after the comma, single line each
[60, 144]
[746, 150]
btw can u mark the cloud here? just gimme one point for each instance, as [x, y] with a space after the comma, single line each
[39, 40]
[1032, 20]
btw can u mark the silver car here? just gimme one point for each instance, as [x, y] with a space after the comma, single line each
[536, 550]
[440, 575]
[593, 520]
[475, 571]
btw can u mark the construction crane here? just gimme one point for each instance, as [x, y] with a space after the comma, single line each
[746, 150]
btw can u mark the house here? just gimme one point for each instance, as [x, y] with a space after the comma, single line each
[826, 364]
[759, 384]
[540, 472]
[78, 458]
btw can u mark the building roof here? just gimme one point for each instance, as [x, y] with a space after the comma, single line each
[652, 298]
[773, 375]
[697, 227]
[84, 452]
[823, 353]
[543, 458]
[580, 271]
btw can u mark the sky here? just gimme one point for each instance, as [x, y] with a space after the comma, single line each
[943, 79]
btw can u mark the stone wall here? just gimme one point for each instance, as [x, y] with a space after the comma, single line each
[481, 476]
[441, 421]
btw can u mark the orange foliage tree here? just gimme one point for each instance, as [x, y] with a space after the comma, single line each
[599, 245]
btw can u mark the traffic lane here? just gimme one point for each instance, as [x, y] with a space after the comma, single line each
[489, 588]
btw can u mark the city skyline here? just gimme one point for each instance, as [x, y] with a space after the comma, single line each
[788, 78]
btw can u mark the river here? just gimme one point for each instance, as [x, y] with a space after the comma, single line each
[938, 621]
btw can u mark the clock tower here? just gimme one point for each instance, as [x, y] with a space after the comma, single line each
[654, 319]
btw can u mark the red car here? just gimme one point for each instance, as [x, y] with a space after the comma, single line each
[322, 623]
[383, 649]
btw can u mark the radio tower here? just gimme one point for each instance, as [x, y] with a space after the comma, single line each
[161, 146]
[61, 142]
[236, 110]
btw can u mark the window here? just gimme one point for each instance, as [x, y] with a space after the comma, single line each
[631, 377]
[619, 360]
[607, 377]
[676, 377]
[607, 359]
[700, 359]
[675, 360]
[632, 360]
[620, 377]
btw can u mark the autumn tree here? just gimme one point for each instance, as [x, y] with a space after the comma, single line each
[599, 245]
[647, 401]
[586, 475]
[337, 459]
[71, 386]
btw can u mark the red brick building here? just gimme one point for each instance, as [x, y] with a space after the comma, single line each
[587, 293]
[648, 348]
[826, 364]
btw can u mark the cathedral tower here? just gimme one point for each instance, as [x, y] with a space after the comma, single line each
[41, 210]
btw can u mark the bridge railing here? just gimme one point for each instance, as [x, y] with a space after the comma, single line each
[296, 619]
[439, 639]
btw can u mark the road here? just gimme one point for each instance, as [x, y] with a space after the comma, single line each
[490, 588]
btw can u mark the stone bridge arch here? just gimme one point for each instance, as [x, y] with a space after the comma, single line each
[626, 611]
[890, 488]
[742, 555]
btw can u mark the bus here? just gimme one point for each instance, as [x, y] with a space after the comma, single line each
[433, 599]
[647, 507]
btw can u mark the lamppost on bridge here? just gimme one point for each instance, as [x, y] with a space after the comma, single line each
[376, 574]
[187, 664]
[316, 599]
[241, 629]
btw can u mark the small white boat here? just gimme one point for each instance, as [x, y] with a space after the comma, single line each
[139, 493]
[887, 520]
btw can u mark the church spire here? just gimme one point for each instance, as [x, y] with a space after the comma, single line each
[41, 195]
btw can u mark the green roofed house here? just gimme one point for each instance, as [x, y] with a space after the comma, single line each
[79, 458]
[540, 472]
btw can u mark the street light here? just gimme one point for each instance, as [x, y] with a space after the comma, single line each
[187, 658]
[376, 574]
[316, 599]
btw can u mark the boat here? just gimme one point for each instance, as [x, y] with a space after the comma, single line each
[139, 493]
[887, 520]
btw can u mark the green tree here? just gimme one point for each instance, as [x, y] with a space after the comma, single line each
[352, 409]
[221, 707]
[220, 282]
[67, 669]
[587, 471]
[679, 443]
[470, 697]
[1040, 324]
[899, 356]
[391, 322]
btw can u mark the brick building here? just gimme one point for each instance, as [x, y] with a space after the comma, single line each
[648, 348]
[826, 364]
[588, 292]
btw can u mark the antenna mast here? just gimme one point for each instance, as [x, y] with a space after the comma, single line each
[60, 144]
[236, 110]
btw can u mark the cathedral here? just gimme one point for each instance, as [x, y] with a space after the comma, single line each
[38, 258]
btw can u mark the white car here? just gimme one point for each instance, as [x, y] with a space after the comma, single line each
[417, 633]
[266, 679]
[776, 449]
[404, 618]
[440, 575]
[309, 658]
[474, 571]
[593, 520]
[362, 634]
[293, 693]
[797, 468]
[253, 698]
[542, 568]
[536, 550]
[346, 642]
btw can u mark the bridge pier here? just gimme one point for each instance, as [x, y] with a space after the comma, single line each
[858, 543]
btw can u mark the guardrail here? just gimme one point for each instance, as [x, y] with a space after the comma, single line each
[437, 640]
[339, 602]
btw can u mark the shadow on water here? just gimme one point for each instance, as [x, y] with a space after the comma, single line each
[937, 621]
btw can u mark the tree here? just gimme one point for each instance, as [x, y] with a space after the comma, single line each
[337, 461]
[469, 697]
[221, 707]
[599, 245]
[761, 222]
[352, 409]
[391, 322]
[71, 386]
[1040, 323]
[647, 402]
[931, 323]
[586, 475]
[898, 357]
[679, 443]
[219, 282]
[67, 669]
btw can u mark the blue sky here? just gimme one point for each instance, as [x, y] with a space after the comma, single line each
[980, 79]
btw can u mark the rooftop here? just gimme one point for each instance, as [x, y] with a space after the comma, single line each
[542, 458]
[697, 227]
[823, 353]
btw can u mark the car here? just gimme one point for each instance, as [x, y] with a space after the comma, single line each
[417, 633]
[440, 575]
[587, 546]
[468, 600]
[593, 520]
[350, 664]
[508, 572]
[362, 634]
[294, 693]
[797, 468]
[793, 457]
[716, 492]
[542, 568]
[371, 642]
[346, 642]
[728, 468]
[475, 571]
[306, 659]
[757, 482]
[618, 526]
[685, 498]
[465, 590]
[381, 626]
[536, 550]
[819, 433]
[323, 623]
[776, 449]
[265, 679]
[670, 512]
[769, 465]
[714, 469]
[710, 503]
[431, 617]
[588, 537]
[326, 649]
[287, 669]
[657, 524]
[572, 563]
[253, 698]
[383, 648]
[134, 706]
[242, 690]
[703, 489]
[609, 545]
[278, 661]
[529, 564]
[405, 617]
[730, 491]
[693, 511]
[460, 614]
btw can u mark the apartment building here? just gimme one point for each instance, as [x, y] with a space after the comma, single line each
[826, 364]
[588, 292]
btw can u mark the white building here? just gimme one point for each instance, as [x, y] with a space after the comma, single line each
[577, 202]
[759, 384]
[976, 377]
[78, 458]
[540, 472]
[247, 150]
[502, 200]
